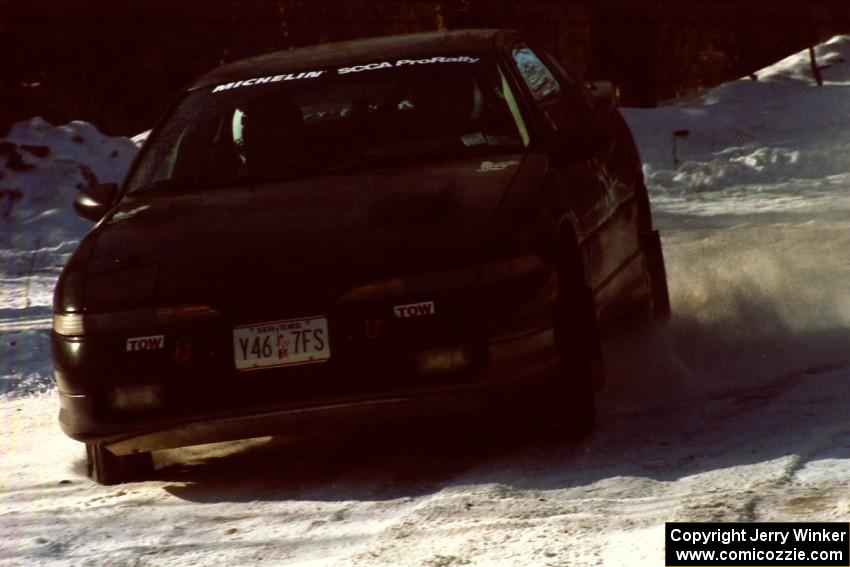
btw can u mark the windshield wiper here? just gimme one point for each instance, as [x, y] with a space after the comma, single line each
[345, 166]
[369, 159]
[170, 184]
[202, 183]
[247, 180]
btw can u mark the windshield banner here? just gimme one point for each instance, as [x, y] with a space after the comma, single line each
[343, 71]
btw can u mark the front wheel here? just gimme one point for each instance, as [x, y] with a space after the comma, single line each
[570, 393]
[105, 467]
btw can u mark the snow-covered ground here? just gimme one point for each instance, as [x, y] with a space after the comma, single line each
[735, 410]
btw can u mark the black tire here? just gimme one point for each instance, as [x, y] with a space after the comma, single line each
[570, 393]
[107, 468]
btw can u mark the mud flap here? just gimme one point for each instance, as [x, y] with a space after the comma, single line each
[651, 245]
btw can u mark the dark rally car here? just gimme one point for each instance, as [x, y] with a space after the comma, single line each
[399, 227]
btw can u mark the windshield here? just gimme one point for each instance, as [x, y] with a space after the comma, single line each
[320, 121]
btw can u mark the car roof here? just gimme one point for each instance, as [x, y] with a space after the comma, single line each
[456, 42]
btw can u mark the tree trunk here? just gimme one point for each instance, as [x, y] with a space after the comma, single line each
[624, 41]
[815, 69]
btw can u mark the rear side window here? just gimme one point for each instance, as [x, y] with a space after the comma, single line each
[546, 90]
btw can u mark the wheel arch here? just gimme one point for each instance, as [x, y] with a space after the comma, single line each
[569, 248]
[567, 245]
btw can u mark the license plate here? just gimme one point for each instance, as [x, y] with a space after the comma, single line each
[281, 343]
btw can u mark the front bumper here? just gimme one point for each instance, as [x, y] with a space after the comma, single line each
[504, 329]
[516, 364]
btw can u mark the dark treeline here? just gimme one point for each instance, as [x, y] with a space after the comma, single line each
[119, 63]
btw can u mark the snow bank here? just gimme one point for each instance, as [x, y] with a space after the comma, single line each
[749, 137]
[831, 57]
[42, 167]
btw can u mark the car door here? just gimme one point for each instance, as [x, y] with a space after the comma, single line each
[586, 187]
[619, 165]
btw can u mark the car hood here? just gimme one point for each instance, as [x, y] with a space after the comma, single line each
[230, 247]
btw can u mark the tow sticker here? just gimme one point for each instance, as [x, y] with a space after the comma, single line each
[154, 342]
[424, 309]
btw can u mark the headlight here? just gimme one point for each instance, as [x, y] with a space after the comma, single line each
[451, 280]
[68, 323]
[73, 324]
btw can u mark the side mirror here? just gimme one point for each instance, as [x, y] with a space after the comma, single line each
[605, 90]
[93, 202]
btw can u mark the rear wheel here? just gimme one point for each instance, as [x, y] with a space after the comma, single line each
[105, 467]
[569, 396]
